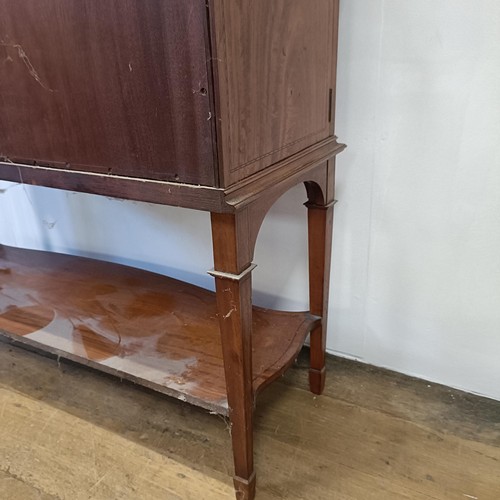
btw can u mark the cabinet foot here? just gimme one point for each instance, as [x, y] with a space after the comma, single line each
[244, 488]
[317, 380]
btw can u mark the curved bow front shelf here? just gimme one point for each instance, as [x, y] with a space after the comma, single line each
[144, 327]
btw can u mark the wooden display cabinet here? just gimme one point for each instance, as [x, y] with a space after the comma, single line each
[217, 105]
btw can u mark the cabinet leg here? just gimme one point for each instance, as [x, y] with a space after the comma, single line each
[234, 305]
[320, 222]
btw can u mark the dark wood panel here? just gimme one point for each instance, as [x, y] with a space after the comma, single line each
[274, 66]
[280, 176]
[154, 330]
[118, 86]
[152, 191]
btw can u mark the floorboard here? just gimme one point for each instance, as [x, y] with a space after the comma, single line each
[68, 432]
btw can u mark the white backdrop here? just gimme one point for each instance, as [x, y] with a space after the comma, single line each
[416, 275]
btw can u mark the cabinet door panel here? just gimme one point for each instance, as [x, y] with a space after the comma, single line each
[113, 86]
[275, 64]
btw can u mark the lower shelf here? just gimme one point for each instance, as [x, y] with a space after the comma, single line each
[141, 326]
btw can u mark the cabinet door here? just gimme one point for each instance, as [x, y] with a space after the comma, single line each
[276, 69]
[111, 86]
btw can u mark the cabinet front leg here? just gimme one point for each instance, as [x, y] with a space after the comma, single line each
[320, 225]
[234, 305]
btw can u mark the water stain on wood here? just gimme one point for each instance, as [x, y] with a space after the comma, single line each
[26, 320]
[142, 326]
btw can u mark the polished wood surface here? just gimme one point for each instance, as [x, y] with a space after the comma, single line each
[215, 105]
[206, 198]
[233, 258]
[164, 89]
[274, 65]
[110, 86]
[320, 229]
[142, 326]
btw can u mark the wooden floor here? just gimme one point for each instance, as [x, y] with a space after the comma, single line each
[71, 433]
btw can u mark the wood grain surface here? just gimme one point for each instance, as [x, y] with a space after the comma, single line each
[112, 86]
[320, 229]
[67, 432]
[153, 330]
[274, 66]
[282, 176]
[218, 105]
[135, 89]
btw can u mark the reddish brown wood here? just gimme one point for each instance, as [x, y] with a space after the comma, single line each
[216, 105]
[152, 191]
[257, 203]
[234, 237]
[274, 67]
[320, 227]
[335, 40]
[127, 87]
[232, 255]
[142, 326]
[282, 176]
[115, 86]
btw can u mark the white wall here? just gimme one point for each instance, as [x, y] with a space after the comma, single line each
[416, 277]
[418, 230]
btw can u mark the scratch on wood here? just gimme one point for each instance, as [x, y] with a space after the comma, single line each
[94, 455]
[228, 315]
[45, 425]
[98, 481]
[26, 60]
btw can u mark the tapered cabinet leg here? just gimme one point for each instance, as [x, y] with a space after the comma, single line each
[320, 229]
[234, 305]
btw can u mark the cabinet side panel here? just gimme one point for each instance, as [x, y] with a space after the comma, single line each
[275, 61]
[113, 86]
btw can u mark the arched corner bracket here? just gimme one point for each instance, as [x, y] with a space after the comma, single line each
[252, 212]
